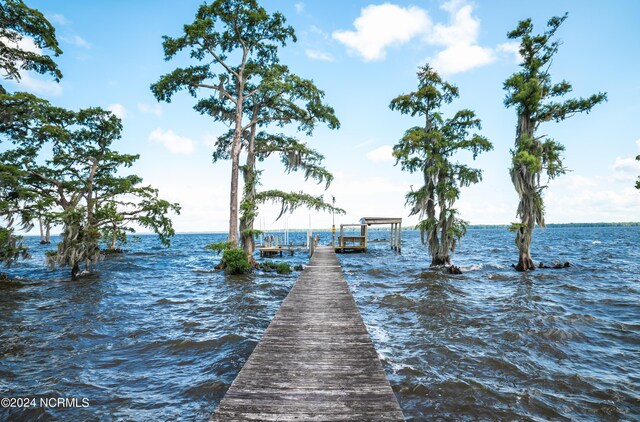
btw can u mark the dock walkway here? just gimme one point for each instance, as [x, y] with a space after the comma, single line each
[316, 361]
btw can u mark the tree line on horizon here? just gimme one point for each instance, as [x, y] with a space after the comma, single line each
[236, 78]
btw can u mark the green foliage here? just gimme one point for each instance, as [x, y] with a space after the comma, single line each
[235, 43]
[283, 268]
[219, 246]
[80, 185]
[429, 150]
[11, 247]
[535, 98]
[234, 261]
[18, 21]
[280, 267]
[255, 233]
[290, 201]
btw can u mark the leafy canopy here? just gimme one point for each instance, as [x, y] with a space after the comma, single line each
[20, 26]
[429, 149]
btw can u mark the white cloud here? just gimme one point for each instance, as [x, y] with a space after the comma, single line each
[76, 40]
[461, 57]
[150, 109]
[625, 169]
[460, 39]
[174, 143]
[510, 49]
[39, 86]
[118, 110]
[299, 7]
[381, 26]
[381, 154]
[595, 197]
[319, 55]
[463, 30]
[58, 18]
[28, 80]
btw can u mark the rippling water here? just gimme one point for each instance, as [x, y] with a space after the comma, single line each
[159, 335]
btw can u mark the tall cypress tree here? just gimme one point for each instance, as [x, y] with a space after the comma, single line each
[429, 150]
[534, 96]
[234, 40]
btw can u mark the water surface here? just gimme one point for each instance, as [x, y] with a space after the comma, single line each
[158, 334]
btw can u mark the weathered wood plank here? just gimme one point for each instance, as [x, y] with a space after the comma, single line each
[316, 361]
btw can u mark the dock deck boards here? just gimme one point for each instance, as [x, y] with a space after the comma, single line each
[316, 361]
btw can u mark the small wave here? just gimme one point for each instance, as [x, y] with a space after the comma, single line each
[204, 271]
[165, 301]
[474, 267]
[596, 242]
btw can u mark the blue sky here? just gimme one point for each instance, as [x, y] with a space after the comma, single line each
[363, 54]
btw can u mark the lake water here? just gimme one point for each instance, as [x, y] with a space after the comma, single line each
[159, 335]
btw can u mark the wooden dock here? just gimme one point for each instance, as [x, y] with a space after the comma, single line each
[316, 361]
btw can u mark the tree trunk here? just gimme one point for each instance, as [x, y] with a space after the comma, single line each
[75, 270]
[526, 187]
[42, 241]
[523, 241]
[47, 237]
[438, 260]
[236, 146]
[247, 220]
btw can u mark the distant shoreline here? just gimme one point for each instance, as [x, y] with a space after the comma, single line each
[383, 228]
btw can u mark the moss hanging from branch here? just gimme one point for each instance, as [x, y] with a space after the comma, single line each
[428, 150]
[290, 201]
[533, 95]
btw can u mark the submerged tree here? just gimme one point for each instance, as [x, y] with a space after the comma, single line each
[429, 150]
[234, 40]
[282, 99]
[533, 95]
[19, 25]
[80, 182]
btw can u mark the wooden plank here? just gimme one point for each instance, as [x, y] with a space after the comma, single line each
[316, 361]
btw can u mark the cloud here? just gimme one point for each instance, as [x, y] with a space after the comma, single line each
[595, 197]
[150, 109]
[174, 143]
[510, 48]
[76, 40]
[381, 154]
[625, 169]
[319, 55]
[638, 144]
[460, 39]
[460, 58]
[299, 7]
[118, 110]
[28, 80]
[39, 86]
[58, 18]
[381, 26]
[463, 30]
